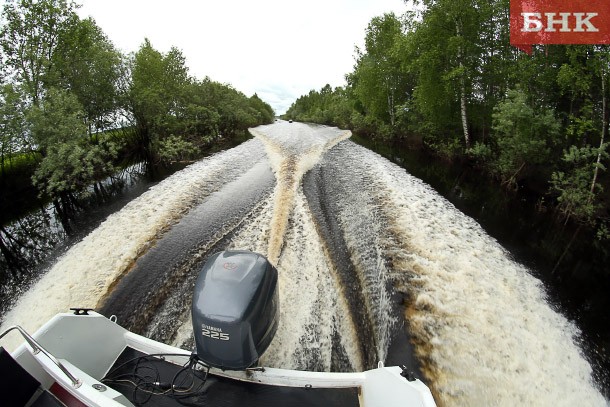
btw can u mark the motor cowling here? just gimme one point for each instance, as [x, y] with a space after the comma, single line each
[235, 309]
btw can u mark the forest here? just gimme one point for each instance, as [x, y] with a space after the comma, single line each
[445, 79]
[73, 109]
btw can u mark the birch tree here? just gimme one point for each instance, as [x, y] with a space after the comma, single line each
[577, 181]
[378, 79]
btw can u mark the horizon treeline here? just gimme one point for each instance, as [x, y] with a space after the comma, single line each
[73, 108]
[446, 77]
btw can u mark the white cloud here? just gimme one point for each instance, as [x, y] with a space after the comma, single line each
[277, 49]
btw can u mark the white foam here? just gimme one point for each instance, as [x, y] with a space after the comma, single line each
[309, 305]
[253, 236]
[482, 322]
[483, 327]
[292, 151]
[364, 229]
[82, 276]
[310, 308]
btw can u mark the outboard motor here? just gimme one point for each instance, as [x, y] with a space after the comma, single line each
[235, 309]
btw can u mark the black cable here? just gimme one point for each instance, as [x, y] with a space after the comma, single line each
[146, 379]
[147, 382]
[191, 367]
[152, 355]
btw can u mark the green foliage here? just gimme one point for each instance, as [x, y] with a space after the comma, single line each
[72, 166]
[175, 148]
[158, 86]
[444, 75]
[86, 63]
[195, 123]
[29, 38]
[480, 152]
[172, 110]
[236, 112]
[72, 106]
[69, 161]
[448, 146]
[12, 125]
[603, 233]
[59, 119]
[523, 135]
[574, 185]
[380, 85]
[448, 76]
[331, 107]
[262, 110]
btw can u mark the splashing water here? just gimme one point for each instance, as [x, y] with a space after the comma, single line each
[482, 324]
[291, 158]
[86, 273]
[483, 329]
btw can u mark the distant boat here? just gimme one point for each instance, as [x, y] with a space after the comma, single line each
[86, 359]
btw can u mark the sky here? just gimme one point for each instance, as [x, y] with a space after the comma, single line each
[278, 49]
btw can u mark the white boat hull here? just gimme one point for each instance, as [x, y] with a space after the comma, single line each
[89, 345]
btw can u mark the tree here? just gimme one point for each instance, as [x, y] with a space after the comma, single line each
[588, 115]
[377, 78]
[12, 125]
[577, 192]
[86, 63]
[58, 120]
[236, 112]
[192, 128]
[176, 113]
[157, 91]
[329, 106]
[523, 135]
[70, 162]
[264, 111]
[447, 35]
[604, 67]
[578, 182]
[462, 63]
[28, 40]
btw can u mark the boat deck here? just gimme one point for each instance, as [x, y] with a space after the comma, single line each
[146, 381]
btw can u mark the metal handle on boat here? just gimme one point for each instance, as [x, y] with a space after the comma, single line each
[38, 348]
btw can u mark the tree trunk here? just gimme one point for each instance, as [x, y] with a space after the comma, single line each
[2, 166]
[391, 87]
[603, 137]
[463, 109]
[458, 28]
[391, 106]
[64, 217]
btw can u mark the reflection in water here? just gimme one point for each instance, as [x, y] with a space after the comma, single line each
[24, 242]
[27, 242]
[484, 330]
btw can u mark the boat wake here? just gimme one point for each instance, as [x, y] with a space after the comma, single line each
[351, 234]
[483, 329]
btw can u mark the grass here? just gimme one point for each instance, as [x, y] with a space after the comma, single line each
[20, 163]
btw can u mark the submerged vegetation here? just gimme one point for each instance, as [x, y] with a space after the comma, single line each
[446, 79]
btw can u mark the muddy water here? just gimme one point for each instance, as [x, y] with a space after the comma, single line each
[351, 235]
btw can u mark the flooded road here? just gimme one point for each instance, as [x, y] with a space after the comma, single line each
[364, 251]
